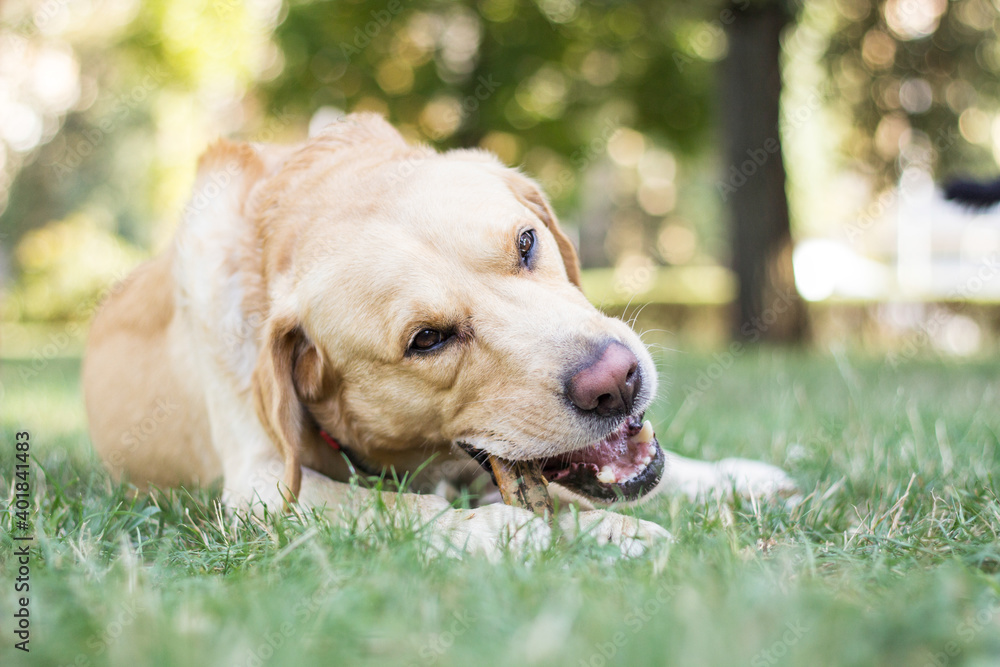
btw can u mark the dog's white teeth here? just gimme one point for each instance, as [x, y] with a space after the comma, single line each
[645, 460]
[645, 435]
[606, 475]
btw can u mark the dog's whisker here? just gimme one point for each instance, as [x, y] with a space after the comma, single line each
[627, 306]
[635, 317]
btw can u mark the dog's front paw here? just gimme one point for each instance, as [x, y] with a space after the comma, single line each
[489, 530]
[755, 478]
[704, 479]
[632, 536]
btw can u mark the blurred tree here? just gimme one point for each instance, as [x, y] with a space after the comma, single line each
[768, 306]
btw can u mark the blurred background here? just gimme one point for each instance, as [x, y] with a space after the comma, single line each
[748, 171]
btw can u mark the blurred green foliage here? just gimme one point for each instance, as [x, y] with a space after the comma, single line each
[550, 74]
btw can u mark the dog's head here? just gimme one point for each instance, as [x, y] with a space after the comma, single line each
[420, 301]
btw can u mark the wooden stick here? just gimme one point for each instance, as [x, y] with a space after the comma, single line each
[522, 485]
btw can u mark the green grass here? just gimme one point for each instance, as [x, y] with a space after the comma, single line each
[891, 560]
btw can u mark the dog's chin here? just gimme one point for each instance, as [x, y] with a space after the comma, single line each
[625, 465]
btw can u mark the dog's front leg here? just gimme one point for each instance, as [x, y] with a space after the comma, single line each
[487, 530]
[718, 479]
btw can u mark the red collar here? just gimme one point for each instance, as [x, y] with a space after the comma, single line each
[329, 440]
[353, 461]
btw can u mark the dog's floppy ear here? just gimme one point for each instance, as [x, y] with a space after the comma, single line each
[529, 194]
[289, 370]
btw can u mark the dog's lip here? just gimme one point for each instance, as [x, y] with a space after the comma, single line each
[625, 465]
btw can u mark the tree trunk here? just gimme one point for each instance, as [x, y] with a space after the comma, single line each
[753, 187]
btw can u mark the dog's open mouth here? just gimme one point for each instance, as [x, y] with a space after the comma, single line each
[626, 465]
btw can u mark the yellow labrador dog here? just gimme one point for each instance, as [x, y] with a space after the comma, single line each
[355, 302]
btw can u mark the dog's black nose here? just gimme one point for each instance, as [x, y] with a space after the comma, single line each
[607, 386]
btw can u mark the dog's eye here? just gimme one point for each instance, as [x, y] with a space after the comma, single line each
[526, 246]
[427, 339]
